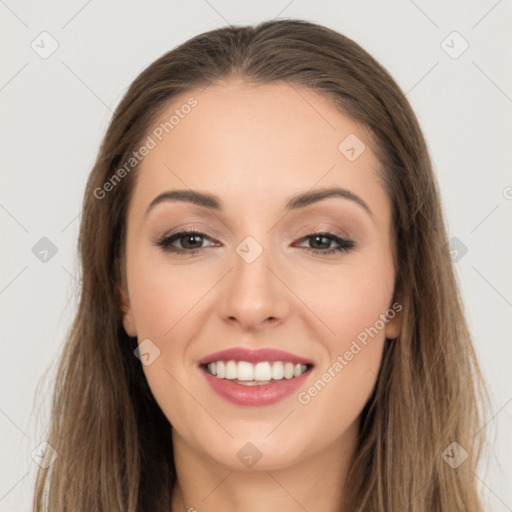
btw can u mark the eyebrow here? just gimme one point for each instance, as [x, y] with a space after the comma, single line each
[295, 202]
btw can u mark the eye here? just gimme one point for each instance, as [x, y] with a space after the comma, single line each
[325, 239]
[190, 241]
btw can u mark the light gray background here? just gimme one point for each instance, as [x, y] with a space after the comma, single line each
[55, 111]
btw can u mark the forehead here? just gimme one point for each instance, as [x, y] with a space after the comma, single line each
[247, 141]
[260, 122]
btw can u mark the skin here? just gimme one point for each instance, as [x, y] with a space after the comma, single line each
[254, 146]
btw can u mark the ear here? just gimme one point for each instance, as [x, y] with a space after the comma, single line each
[128, 319]
[394, 325]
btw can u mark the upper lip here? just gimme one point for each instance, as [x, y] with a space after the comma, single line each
[254, 356]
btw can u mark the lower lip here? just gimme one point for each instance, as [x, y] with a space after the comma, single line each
[264, 394]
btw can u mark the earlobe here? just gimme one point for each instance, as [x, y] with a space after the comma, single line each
[394, 325]
[128, 319]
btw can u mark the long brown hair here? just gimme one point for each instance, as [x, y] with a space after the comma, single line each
[113, 441]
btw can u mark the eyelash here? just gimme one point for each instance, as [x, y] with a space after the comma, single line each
[344, 245]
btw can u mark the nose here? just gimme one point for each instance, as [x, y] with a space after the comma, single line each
[254, 295]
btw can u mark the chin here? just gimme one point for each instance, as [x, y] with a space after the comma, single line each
[255, 449]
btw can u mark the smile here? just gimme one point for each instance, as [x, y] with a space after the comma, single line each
[250, 374]
[254, 378]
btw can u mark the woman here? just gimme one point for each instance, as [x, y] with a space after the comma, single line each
[269, 317]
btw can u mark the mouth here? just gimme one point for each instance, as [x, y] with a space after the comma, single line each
[255, 378]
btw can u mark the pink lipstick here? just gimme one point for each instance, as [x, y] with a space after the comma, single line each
[255, 377]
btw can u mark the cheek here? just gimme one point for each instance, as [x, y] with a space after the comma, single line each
[161, 297]
[350, 300]
[163, 302]
[347, 378]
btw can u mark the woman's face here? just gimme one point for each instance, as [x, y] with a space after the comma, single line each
[256, 278]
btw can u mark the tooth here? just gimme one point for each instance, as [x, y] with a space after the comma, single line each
[231, 370]
[256, 382]
[221, 370]
[288, 370]
[297, 370]
[277, 370]
[244, 370]
[213, 368]
[303, 367]
[262, 371]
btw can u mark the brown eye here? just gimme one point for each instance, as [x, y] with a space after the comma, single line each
[190, 242]
[325, 239]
